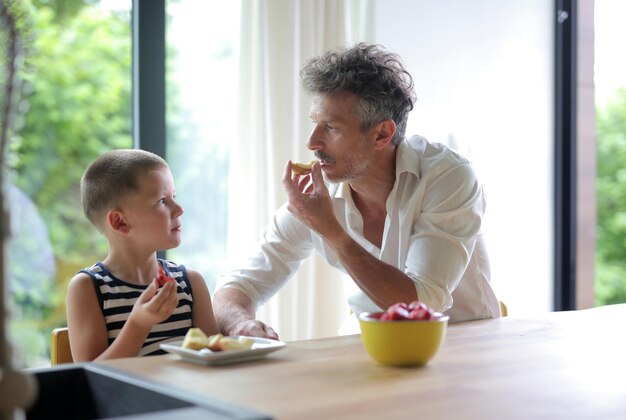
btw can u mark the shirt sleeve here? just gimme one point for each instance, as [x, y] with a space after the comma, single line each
[285, 244]
[444, 234]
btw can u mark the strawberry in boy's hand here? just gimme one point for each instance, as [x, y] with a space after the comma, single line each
[162, 277]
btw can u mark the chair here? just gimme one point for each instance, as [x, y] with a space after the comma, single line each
[60, 351]
[504, 309]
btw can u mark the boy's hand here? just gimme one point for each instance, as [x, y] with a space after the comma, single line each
[154, 304]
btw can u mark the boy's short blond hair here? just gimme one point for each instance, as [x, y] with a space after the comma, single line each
[111, 177]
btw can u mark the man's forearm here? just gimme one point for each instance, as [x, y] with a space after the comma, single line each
[381, 282]
[235, 314]
[231, 306]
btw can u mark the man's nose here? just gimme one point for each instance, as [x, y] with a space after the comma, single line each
[314, 142]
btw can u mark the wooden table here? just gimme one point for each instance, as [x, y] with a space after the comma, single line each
[566, 365]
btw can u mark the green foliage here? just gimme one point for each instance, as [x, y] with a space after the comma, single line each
[80, 106]
[610, 283]
[64, 10]
[14, 28]
[77, 76]
[611, 201]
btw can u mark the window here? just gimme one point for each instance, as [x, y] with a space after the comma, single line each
[202, 80]
[77, 91]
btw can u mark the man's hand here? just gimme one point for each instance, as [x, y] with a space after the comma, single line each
[234, 312]
[309, 201]
[253, 328]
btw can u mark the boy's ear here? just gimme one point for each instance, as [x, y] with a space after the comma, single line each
[117, 221]
[384, 133]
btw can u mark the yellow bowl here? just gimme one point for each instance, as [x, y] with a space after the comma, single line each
[402, 342]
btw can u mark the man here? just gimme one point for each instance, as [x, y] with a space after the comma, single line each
[401, 217]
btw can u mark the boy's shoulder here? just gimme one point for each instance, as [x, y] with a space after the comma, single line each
[81, 282]
[97, 272]
[80, 277]
[96, 267]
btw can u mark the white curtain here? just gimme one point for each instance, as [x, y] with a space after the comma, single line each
[277, 37]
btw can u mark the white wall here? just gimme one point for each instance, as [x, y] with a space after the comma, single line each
[483, 73]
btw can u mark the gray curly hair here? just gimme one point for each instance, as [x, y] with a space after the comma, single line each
[376, 76]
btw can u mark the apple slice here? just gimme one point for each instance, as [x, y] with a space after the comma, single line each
[302, 168]
[195, 339]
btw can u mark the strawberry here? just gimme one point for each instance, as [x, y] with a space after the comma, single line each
[415, 310]
[162, 278]
[396, 311]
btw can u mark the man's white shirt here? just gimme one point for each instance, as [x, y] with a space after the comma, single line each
[432, 233]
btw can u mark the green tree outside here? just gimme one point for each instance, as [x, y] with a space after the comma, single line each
[78, 98]
[611, 201]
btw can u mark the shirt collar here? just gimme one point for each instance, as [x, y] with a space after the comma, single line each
[407, 160]
[343, 191]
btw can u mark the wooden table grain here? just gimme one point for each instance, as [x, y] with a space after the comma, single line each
[561, 365]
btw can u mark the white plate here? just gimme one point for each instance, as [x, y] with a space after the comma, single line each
[261, 348]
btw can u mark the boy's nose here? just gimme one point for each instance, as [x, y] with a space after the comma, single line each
[178, 209]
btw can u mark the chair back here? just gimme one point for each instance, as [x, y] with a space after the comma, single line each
[60, 351]
[504, 309]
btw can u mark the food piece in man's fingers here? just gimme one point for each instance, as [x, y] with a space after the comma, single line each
[302, 168]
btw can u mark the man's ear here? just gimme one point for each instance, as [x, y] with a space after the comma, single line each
[117, 221]
[384, 133]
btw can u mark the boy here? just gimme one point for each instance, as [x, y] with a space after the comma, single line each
[117, 308]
